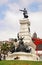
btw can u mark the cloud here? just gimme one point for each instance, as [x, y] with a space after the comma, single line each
[6, 34]
[12, 18]
[39, 1]
[40, 7]
[14, 7]
[25, 3]
[3, 2]
[11, 28]
[36, 23]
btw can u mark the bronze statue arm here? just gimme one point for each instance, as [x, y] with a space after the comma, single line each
[22, 10]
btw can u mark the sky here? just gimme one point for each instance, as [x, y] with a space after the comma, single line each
[10, 16]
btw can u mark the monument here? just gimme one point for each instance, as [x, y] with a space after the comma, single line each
[25, 31]
[26, 48]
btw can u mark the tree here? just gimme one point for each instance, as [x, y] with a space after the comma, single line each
[0, 56]
[4, 49]
[12, 48]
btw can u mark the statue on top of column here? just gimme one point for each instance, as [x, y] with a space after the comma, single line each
[25, 13]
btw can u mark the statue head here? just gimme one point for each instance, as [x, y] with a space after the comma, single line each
[24, 8]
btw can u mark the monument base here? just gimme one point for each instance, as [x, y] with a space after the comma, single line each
[25, 32]
[22, 56]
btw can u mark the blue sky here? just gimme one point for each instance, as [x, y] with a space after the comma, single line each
[10, 15]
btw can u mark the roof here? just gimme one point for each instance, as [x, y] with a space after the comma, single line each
[38, 43]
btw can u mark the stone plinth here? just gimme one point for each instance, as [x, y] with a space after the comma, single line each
[25, 32]
[22, 56]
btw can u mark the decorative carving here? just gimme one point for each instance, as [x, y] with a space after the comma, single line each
[21, 47]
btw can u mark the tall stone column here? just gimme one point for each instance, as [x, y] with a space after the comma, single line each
[25, 32]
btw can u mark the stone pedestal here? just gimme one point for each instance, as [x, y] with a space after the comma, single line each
[25, 33]
[22, 56]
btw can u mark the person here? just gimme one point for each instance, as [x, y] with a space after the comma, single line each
[18, 36]
[0, 56]
[24, 13]
[4, 57]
